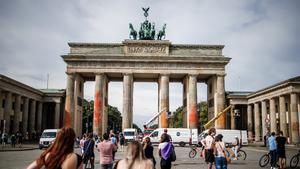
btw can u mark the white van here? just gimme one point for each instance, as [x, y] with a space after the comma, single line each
[228, 135]
[130, 134]
[47, 138]
[180, 136]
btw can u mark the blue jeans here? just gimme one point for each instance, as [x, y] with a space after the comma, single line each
[273, 158]
[221, 163]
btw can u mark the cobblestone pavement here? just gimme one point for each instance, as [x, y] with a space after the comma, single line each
[21, 159]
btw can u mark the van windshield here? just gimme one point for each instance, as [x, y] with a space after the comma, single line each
[48, 135]
[129, 133]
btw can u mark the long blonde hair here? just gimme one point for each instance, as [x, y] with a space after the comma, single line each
[134, 152]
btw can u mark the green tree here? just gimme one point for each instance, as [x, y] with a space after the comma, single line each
[137, 127]
[203, 114]
[177, 117]
[114, 117]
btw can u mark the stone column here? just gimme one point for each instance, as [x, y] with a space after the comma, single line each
[192, 102]
[57, 116]
[17, 114]
[7, 111]
[78, 95]
[250, 122]
[70, 102]
[25, 116]
[273, 125]
[163, 100]
[184, 101]
[257, 122]
[1, 109]
[282, 115]
[32, 116]
[220, 98]
[98, 104]
[105, 106]
[263, 117]
[127, 101]
[294, 119]
[39, 117]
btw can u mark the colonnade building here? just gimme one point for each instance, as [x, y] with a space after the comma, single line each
[272, 109]
[29, 110]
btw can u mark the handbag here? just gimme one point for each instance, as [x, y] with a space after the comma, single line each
[173, 154]
[228, 159]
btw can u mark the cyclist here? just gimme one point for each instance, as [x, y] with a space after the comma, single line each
[272, 149]
[236, 146]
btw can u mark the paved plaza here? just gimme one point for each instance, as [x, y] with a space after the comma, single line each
[21, 159]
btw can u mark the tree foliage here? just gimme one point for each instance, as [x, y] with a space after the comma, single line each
[114, 117]
[177, 117]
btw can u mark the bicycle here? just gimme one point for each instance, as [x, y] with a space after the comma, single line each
[241, 154]
[195, 150]
[265, 159]
[295, 160]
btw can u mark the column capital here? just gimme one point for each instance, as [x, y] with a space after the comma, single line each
[221, 74]
[164, 74]
[127, 74]
[193, 74]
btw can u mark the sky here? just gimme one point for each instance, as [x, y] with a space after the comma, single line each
[261, 37]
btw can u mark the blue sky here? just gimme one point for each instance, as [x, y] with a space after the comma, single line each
[261, 37]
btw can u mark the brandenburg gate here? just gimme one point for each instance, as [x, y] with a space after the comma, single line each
[143, 60]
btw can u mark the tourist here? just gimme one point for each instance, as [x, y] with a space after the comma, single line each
[272, 149]
[165, 149]
[4, 139]
[88, 150]
[209, 145]
[166, 131]
[13, 140]
[113, 140]
[60, 154]
[266, 136]
[220, 148]
[148, 150]
[122, 141]
[81, 143]
[20, 139]
[236, 146]
[281, 141]
[135, 158]
[105, 149]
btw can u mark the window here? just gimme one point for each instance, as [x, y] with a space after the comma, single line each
[154, 134]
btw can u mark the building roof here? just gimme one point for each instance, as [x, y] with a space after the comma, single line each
[294, 80]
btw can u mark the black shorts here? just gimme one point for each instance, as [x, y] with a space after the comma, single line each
[281, 153]
[209, 156]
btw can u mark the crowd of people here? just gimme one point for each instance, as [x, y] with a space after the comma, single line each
[14, 139]
[138, 155]
[215, 150]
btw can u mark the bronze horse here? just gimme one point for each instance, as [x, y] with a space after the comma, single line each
[162, 33]
[132, 33]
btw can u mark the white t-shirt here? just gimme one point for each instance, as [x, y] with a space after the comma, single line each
[209, 140]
